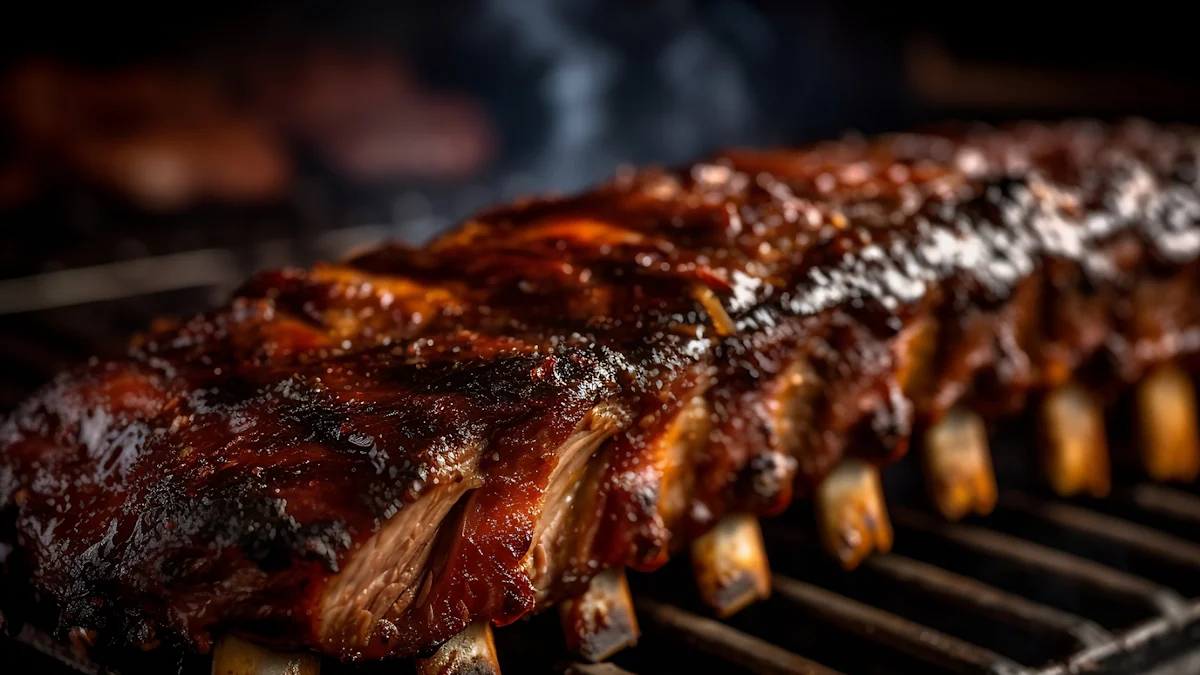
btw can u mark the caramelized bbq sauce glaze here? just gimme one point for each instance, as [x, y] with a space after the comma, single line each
[816, 302]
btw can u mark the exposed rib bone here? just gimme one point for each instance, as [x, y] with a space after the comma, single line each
[730, 564]
[235, 656]
[851, 514]
[601, 622]
[1170, 441]
[958, 465]
[471, 652]
[1074, 449]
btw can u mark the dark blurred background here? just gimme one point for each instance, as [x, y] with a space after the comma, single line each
[152, 157]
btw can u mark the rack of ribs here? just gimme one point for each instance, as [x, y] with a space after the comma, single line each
[388, 456]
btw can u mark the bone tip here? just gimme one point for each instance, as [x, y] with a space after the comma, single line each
[958, 466]
[956, 504]
[1167, 422]
[730, 565]
[852, 515]
[600, 622]
[235, 656]
[738, 593]
[471, 652]
[1074, 443]
[857, 543]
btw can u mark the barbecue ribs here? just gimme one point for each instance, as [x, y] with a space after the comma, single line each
[363, 459]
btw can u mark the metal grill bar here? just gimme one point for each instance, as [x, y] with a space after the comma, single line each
[724, 642]
[1138, 637]
[1165, 501]
[197, 268]
[1035, 557]
[926, 644]
[975, 596]
[1142, 539]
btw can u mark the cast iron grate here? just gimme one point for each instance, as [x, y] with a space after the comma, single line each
[1041, 587]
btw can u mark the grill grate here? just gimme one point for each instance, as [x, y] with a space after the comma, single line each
[1041, 587]
[965, 598]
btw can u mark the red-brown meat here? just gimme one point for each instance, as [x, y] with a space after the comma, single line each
[363, 458]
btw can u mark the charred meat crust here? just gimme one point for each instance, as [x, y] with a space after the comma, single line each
[256, 468]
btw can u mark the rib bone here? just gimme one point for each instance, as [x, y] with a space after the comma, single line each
[730, 564]
[958, 465]
[471, 652]
[851, 514]
[1075, 450]
[601, 622]
[1166, 408]
[235, 656]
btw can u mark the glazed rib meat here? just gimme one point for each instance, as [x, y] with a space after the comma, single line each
[364, 458]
